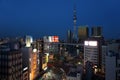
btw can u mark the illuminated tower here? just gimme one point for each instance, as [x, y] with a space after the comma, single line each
[74, 21]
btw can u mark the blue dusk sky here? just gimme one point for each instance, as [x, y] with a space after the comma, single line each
[54, 17]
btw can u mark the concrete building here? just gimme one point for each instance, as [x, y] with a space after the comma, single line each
[26, 51]
[96, 31]
[112, 61]
[83, 33]
[110, 46]
[92, 52]
[114, 47]
[40, 48]
[49, 46]
[34, 64]
[10, 62]
[40, 45]
[30, 63]
[104, 52]
[112, 66]
[69, 36]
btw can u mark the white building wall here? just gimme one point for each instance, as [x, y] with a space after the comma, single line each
[91, 54]
[110, 68]
[115, 48]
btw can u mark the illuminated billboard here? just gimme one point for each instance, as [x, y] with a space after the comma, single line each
[53, 39]
[90, 43]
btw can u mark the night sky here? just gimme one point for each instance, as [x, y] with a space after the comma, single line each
[54, 17]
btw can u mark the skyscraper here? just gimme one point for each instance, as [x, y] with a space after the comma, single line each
[26, 51]
[34, 64]
[96, 31]
[39, 46]
[69, 36]
[83, 33]
[92, 52]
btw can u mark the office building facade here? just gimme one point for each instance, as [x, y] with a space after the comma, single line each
[26, 51]
[112, 66]
[96, 31]
[10, 63]
[49, 46]
[83, 33]
[92, 52]
[69, 36]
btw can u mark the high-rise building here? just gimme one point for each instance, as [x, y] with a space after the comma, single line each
[69, 36]
[39, 47]
[34, 64]
[10, 62]
[104, 51]
[96, 31]
[92, 52]
[30, 63]
[83, 33]
[26, 51]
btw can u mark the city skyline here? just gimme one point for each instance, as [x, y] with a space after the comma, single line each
[41, 18]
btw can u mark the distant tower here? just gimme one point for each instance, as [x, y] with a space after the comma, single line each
[74, 20]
